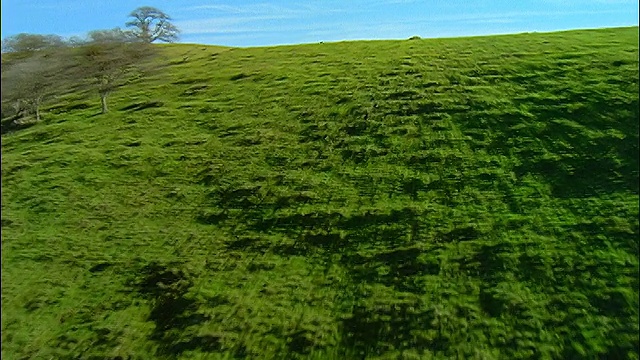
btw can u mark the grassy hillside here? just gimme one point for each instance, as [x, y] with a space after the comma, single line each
[472, 198]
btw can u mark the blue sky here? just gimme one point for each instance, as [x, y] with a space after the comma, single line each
[259, 23]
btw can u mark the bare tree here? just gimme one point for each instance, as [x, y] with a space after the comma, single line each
[151, 24]
[115, 35]
[31, 42]
[28, 81]
[107, 57]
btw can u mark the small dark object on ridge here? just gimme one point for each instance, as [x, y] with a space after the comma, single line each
[415, 37]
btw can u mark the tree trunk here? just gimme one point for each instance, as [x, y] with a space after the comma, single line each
[103, 100]
[37, 108]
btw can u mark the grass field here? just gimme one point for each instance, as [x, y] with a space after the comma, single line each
[471, 198]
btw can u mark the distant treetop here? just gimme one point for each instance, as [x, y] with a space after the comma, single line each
[31, 42]
[115, 35]
[151, 24]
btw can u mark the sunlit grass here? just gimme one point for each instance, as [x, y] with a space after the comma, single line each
[473, 198]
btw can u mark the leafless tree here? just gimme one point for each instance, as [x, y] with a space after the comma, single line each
[28, 81]
[151, 24]
[107, 57]
[31, 42]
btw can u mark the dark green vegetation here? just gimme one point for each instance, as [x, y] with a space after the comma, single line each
[473, 198]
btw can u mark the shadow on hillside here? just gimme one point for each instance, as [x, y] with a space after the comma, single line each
[371, 331]
[143, 105]
[12, 124]
[173, 311]
[565, 153]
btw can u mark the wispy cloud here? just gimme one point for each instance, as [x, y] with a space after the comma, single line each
[516, 15]
[234, 24]
[616, 1]
[265, 9]
[394, 2]
[587, 2]
[249, 9]
[251, 18]
[389, 29]
[67, 4]
[239, 24]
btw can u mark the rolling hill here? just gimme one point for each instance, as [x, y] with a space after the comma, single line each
[471, 198]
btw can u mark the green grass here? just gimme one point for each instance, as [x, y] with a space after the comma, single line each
[471, 198]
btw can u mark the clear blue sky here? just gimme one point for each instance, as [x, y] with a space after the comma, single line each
[257, 23]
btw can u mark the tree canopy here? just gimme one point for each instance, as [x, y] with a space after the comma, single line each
[31, 42]
[28, 81]
[151, 24]
[115, 35]
[107, 57]
[36, 68]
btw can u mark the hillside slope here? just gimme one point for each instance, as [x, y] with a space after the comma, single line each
[473, 198]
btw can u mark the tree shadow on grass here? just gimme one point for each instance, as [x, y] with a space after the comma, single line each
[143, 105]
[173, 311]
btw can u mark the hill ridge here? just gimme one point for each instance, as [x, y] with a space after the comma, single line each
[433, 198]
